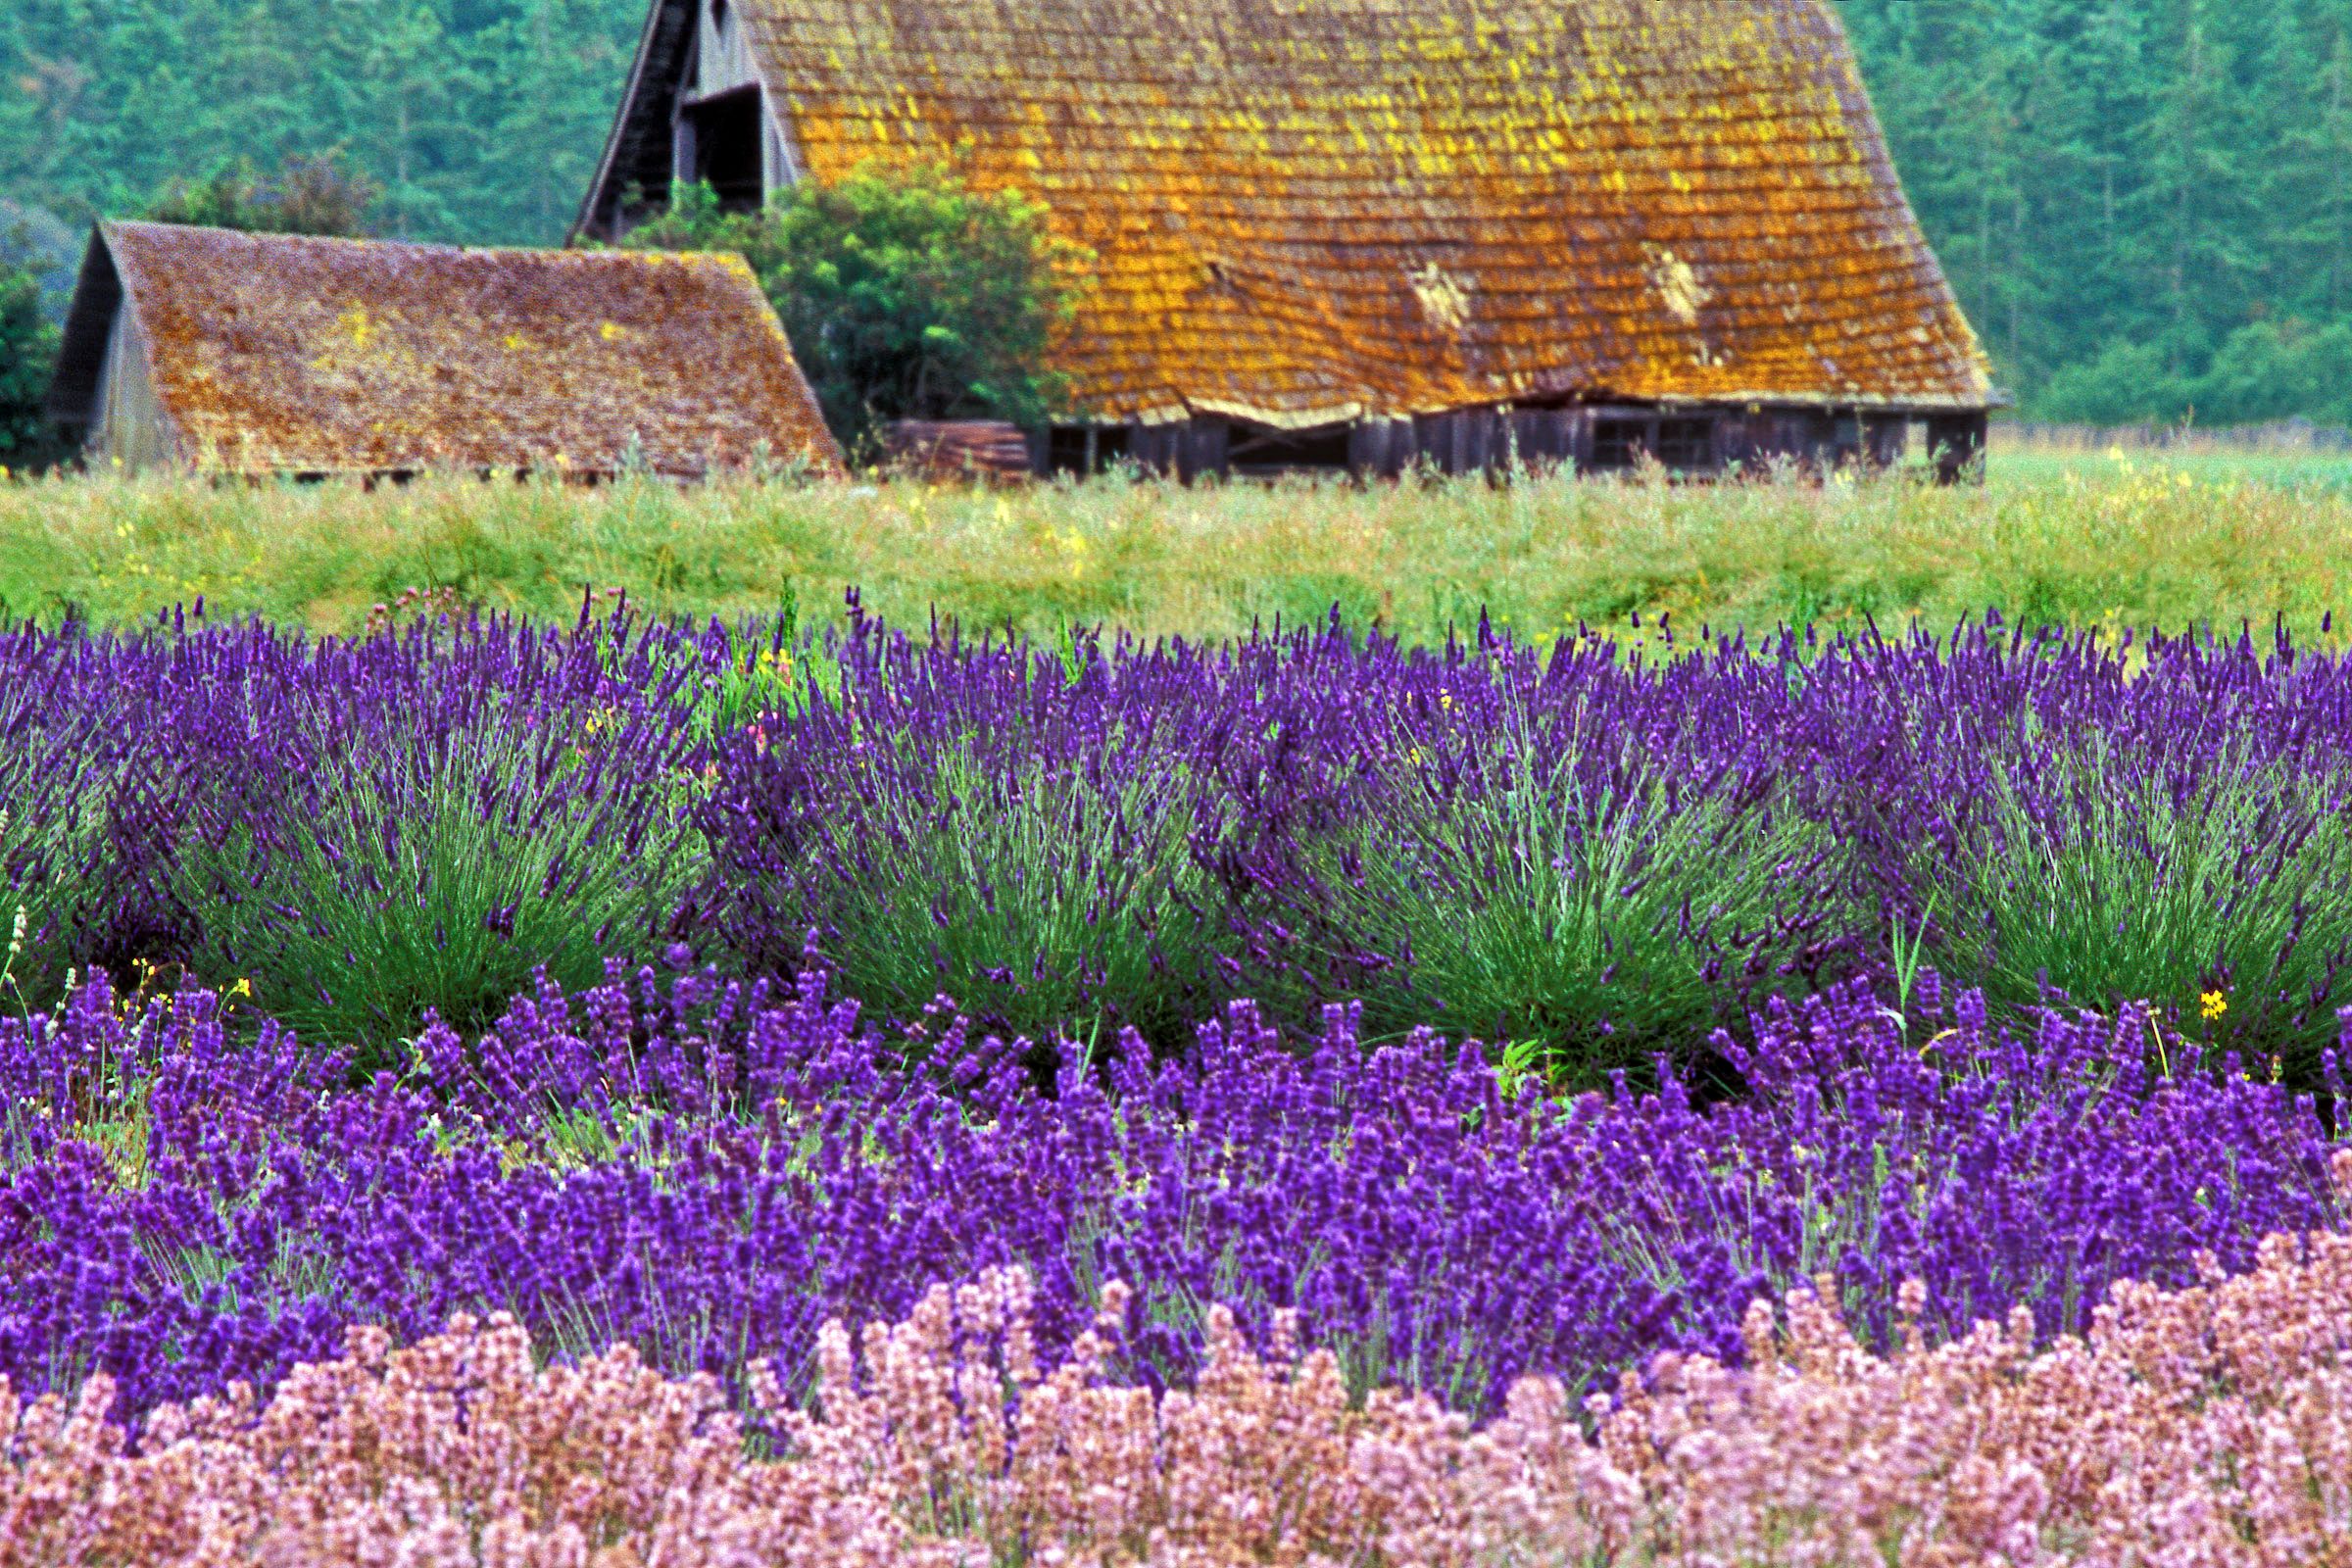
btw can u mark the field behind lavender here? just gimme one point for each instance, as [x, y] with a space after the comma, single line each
[2188, 535]
[1461, 1015]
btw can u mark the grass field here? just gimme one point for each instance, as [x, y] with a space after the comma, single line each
[2085, 538]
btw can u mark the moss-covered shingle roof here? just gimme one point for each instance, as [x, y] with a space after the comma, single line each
[278, 353]
[1309, 210]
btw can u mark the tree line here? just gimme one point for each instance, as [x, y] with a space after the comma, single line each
[2145, 206]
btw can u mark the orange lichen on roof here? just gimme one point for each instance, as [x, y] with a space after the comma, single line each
[1312, 210]
[274, 353]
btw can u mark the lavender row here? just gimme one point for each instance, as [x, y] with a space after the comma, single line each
[1577, 849]
[1582, 855]
[712, 1171]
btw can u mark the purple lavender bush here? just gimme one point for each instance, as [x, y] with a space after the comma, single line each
[1030, 848]
[2182, 835]
[1587, 856]
[356, 829]
[445, 826]
[1137, 834]
[70, 784]
[1598, 856]
[711, 1170]
[1551, 886]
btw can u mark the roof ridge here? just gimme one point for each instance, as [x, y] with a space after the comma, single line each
[113, 227]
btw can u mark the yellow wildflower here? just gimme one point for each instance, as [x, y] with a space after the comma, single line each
[2212, 1004]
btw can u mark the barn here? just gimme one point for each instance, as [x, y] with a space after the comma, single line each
[1359, 235]
[276, 354]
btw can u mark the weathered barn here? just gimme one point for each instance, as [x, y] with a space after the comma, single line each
[1359, 233]
[277, 354]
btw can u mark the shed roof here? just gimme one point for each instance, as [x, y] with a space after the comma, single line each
[276, 353]
[1311, 210]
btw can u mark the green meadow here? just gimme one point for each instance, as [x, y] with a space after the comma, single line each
[2084, 538]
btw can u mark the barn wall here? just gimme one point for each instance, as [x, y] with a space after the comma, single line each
[1887, 438]
[723, 55]
[1201, 447]
[129, 423]
[1153, 446]
[1382, 448]
[1597, 438]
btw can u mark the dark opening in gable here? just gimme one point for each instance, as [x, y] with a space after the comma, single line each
[726, 133]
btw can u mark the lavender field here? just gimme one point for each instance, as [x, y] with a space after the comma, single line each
[1300, 1098]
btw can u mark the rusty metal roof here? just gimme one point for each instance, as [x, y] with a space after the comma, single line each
[1313, 210]
[274, 353]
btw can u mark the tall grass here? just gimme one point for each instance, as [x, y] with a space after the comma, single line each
[2083, 540]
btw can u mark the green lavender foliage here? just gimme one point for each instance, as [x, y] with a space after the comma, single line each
[1034, 896]
[2230, 884]
[52, 875]
[441, 885]
[1580, 927]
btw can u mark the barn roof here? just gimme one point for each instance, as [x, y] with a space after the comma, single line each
[1311, 209]
[274, 352]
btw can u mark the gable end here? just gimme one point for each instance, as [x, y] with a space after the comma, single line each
[89, 325]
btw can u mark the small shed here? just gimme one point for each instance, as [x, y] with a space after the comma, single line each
[277, 354]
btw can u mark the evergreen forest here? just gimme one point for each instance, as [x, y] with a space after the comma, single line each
[2144, 205]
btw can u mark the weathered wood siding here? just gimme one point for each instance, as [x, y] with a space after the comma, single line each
[1593, 438]
[1885, 440]
[722, 56]
[1202, 447]
[129, 423]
